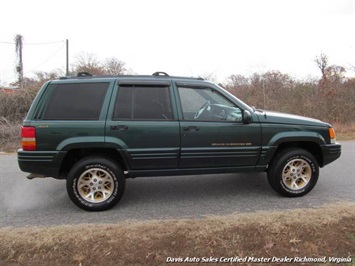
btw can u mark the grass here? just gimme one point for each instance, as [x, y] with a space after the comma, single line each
[10, 139]
[344, 131]
[328, 231]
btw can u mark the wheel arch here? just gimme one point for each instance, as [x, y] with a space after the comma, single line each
[310, 146]
[308, 140]
[74, 155]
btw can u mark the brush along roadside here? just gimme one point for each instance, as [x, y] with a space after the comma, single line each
[322, 233]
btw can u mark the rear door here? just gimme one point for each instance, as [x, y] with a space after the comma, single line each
[142, 124]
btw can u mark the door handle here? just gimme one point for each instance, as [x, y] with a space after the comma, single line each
[119, 127]
[191, 128]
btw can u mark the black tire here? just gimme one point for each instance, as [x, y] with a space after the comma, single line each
[95, 183]
[293, 172]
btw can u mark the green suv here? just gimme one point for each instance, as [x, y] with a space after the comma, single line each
[97, 131]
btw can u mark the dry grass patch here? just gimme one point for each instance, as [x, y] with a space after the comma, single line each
[10, 139]
[326, 231]
[345, 131]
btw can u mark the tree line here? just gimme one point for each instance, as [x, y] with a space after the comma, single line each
[330, 98]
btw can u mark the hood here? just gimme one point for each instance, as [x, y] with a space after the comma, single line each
[283, 118]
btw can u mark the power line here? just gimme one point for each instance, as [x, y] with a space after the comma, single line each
[37, 66]
[7, 42]
[39, 43]
[44, 43]
[46, 60]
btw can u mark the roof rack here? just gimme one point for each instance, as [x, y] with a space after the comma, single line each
[84, 74]
[158, 74]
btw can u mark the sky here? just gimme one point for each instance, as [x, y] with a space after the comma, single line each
[180, 37]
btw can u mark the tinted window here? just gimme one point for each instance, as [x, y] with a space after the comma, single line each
[123, 107]
[76, 101]
[207, 104]
[143, 103]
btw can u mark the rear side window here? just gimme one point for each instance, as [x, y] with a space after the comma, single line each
[76, 101]
[143, 103]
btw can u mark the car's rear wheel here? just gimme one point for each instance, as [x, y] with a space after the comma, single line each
[293, 173]
[95, 183]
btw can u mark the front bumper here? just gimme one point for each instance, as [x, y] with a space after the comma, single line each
[44, 163]
[331, 152]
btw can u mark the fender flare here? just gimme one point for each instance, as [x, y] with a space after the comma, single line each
[268, 151]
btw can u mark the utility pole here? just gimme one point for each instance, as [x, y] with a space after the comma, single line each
[19, 63]
[67, 49]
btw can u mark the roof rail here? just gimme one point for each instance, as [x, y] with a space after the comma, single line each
[160, 73]
[84, 74]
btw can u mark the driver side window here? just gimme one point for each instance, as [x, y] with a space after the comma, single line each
[205, 104]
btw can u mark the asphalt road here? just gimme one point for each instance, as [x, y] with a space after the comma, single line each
[44, 202]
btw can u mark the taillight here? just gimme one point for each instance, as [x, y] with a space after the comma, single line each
[28, 135]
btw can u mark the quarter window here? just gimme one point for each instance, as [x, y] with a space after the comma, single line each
[76, 101]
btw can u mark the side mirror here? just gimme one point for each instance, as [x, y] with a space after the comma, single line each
[246, 117]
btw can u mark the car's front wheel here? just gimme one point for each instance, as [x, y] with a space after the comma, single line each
[95, 183]
[293, 172]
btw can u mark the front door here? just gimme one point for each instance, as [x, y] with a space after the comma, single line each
[212, 131]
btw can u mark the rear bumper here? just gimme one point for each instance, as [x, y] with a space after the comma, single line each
[47, 163]
[331, 152]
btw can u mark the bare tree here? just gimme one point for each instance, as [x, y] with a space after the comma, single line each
[210, 77]
[330, 73]
[114, 66]
[19, 62]
[322, 63]
[351, 67]
[87, 62]
[335, 73]
[276, 79]
[42, 77]
[235, 81]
